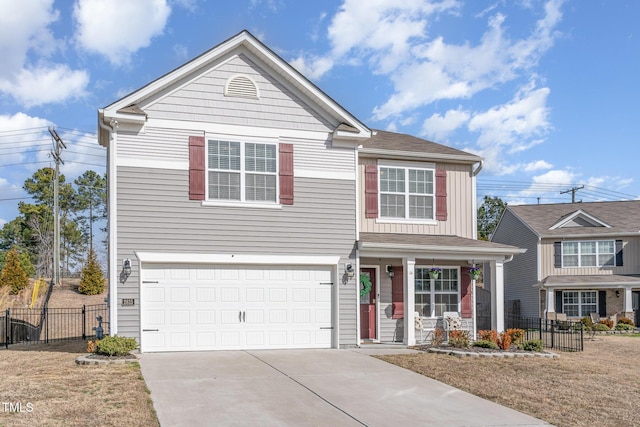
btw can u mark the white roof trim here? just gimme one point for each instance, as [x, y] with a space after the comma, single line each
[245, 259]
[438, 251]
[580, 213]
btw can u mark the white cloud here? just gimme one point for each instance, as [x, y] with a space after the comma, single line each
[117, 29]
[312, 67]
[439, 127]
[21, 134]
[536, 166]
[28, 73]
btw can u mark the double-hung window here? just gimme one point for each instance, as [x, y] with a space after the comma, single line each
[596, 253]
[433, 301]
[407, 192]
[242, 171]
[579, 303]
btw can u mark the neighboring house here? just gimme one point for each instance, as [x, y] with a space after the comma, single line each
[581, 258]
[243, 202]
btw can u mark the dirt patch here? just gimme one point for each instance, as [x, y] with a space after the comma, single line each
[596, 387]
[52, 390]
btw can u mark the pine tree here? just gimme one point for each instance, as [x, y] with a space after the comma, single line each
[13, 274]
[92, 280]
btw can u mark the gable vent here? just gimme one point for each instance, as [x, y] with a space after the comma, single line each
[241, 86]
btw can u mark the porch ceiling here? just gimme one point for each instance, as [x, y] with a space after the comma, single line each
[597, 280]
[430, 246]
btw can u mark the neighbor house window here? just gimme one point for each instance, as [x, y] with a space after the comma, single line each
[406, 192]
[589, 253]
[242, 171]
[433, 301]
[579, 303]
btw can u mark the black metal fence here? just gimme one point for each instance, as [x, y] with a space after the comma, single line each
[563, 335]
[24, 325]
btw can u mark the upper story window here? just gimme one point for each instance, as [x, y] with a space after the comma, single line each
[597, 253]
[407, 192]
[242, 171]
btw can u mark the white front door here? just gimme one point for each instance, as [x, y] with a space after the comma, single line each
[214, 307]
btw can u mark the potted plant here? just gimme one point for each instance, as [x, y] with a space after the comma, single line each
[434, 272]
[474, 273]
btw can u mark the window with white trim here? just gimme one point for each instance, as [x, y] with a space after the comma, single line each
[597, 253]
[443, 295]
[242, 171]
[407, 192]
[579, 303]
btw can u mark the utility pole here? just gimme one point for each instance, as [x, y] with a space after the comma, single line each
[58, 145]
[573, 192]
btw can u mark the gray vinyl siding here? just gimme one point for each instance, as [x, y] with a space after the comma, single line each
[155, 144]
[203, 100]
[155, 214]
[522, 272]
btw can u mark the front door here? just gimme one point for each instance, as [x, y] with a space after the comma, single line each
[368, 305]
[636, 307]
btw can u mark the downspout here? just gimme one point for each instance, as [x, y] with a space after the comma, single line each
[474, 198]
[111, 223]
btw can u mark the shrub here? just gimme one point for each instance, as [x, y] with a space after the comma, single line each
[607, 322]
[601, 327]
[91, 279]
[490, 335]
[587, 322]
[504, 341]
[532, 345]
[624, 327]
[92, 346]
[485, 344]
[13, 274]
[517, 336]
[438, 337]
[116, 346]
[626, 321]
[459, 339]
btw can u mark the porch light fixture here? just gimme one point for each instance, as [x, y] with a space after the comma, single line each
[617, 293]
[349, 270]
[390, 271]
[126, 270]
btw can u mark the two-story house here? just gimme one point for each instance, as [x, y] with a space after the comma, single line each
[581, 258]
[246, 206]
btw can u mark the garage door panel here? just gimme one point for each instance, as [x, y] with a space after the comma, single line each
[230, 307]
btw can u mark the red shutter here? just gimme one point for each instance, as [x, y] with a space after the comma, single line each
[371, 191]
[397, 293]
[196, 168]
[286, 174]
[441, 195]
[466, 294]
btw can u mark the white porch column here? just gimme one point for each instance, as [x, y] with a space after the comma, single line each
[550, 305]
[497, 296]
[628, 300]
[409, 267]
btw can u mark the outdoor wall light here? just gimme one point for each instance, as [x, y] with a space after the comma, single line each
[126, 270]
[617, 293]
[390, 271]
[349, 270]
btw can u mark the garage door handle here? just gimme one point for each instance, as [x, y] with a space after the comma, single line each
[151, 330]
[244, 316]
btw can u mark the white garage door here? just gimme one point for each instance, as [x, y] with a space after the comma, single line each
[186, 308]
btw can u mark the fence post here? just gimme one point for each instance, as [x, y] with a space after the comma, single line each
[553, 333]
[46, 322]
[540, 329]
[84, 322]
[7, 324]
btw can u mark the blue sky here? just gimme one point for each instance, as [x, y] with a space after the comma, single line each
[546, 91]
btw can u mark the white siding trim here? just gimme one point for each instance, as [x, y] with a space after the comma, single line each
[199, 258]
[308, 173]
[137, 162]
[112, 200]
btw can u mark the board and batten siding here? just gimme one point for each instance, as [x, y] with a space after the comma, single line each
[521, 273]
[630, 254]
[156, 215]
[459, 206]
[203, 100]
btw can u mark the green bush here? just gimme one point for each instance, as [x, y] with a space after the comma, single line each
[532, 345]
[587, 322]
[600, 327]
[13, 275]
[626, 321]
[116, 346]
[485, 344]
[91, 278]
[624, 327]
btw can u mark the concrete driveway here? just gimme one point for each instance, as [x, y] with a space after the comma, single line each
[308, 388]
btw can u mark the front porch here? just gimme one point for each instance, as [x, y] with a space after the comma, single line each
[399, 269]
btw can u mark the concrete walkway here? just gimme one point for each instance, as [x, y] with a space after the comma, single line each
[308, 388]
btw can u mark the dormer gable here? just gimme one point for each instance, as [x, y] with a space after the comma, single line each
[579, 218]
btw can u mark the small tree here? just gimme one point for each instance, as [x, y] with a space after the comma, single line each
[92, 280]
[13, 274]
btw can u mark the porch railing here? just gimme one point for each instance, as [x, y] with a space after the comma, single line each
[563, 335]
